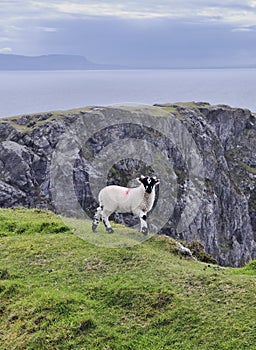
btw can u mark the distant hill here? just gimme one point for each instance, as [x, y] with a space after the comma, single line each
[77, 62]
[47, 62]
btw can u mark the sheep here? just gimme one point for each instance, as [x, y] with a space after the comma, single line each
[184, 250]
[138, 201]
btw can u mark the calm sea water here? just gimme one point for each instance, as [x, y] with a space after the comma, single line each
[39, 91]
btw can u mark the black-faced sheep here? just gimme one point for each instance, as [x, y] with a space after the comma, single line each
[138, 201]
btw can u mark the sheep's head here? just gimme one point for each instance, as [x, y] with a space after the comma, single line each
[148, 182]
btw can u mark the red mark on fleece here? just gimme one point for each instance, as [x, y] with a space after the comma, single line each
[127, 191]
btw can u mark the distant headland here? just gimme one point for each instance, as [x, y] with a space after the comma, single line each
[48, 62]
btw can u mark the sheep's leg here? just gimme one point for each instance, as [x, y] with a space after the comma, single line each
[105, 215]
[143, 223]
[96, 218]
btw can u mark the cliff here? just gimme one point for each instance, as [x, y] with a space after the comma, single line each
[204, 155]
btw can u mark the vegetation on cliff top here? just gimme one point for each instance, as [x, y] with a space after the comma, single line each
[57, 291]
[27, 122]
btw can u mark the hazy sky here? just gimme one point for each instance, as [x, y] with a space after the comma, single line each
[142, 32]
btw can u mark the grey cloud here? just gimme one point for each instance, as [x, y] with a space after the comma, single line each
[151, 43]
[195, 33]
[196, 9]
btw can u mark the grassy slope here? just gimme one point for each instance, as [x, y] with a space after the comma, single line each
[59, 292]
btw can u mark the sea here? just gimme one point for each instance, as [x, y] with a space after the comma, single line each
[25, 92]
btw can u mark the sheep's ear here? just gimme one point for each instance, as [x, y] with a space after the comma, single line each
[139, 179]
[157, 181]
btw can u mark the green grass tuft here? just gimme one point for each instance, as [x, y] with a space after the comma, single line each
[20, 221]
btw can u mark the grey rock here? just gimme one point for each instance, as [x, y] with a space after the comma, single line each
[11, 196]
[225, 222]
[24, 120]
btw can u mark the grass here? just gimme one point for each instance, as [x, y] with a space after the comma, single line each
[35, 118]
[22, 221]
[122, 236]
[58, 291]
[248, 168]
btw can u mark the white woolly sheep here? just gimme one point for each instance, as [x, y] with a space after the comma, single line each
[138, 201]
[184, 250]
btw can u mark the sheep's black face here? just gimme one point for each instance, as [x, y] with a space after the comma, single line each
[149, 182]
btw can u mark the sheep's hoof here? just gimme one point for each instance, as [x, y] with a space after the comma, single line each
[94, 226]
[110, 230]
[144, 230]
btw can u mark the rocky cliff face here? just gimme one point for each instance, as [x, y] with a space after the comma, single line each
[205, 156]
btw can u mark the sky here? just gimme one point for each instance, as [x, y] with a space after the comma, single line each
[142, 33]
